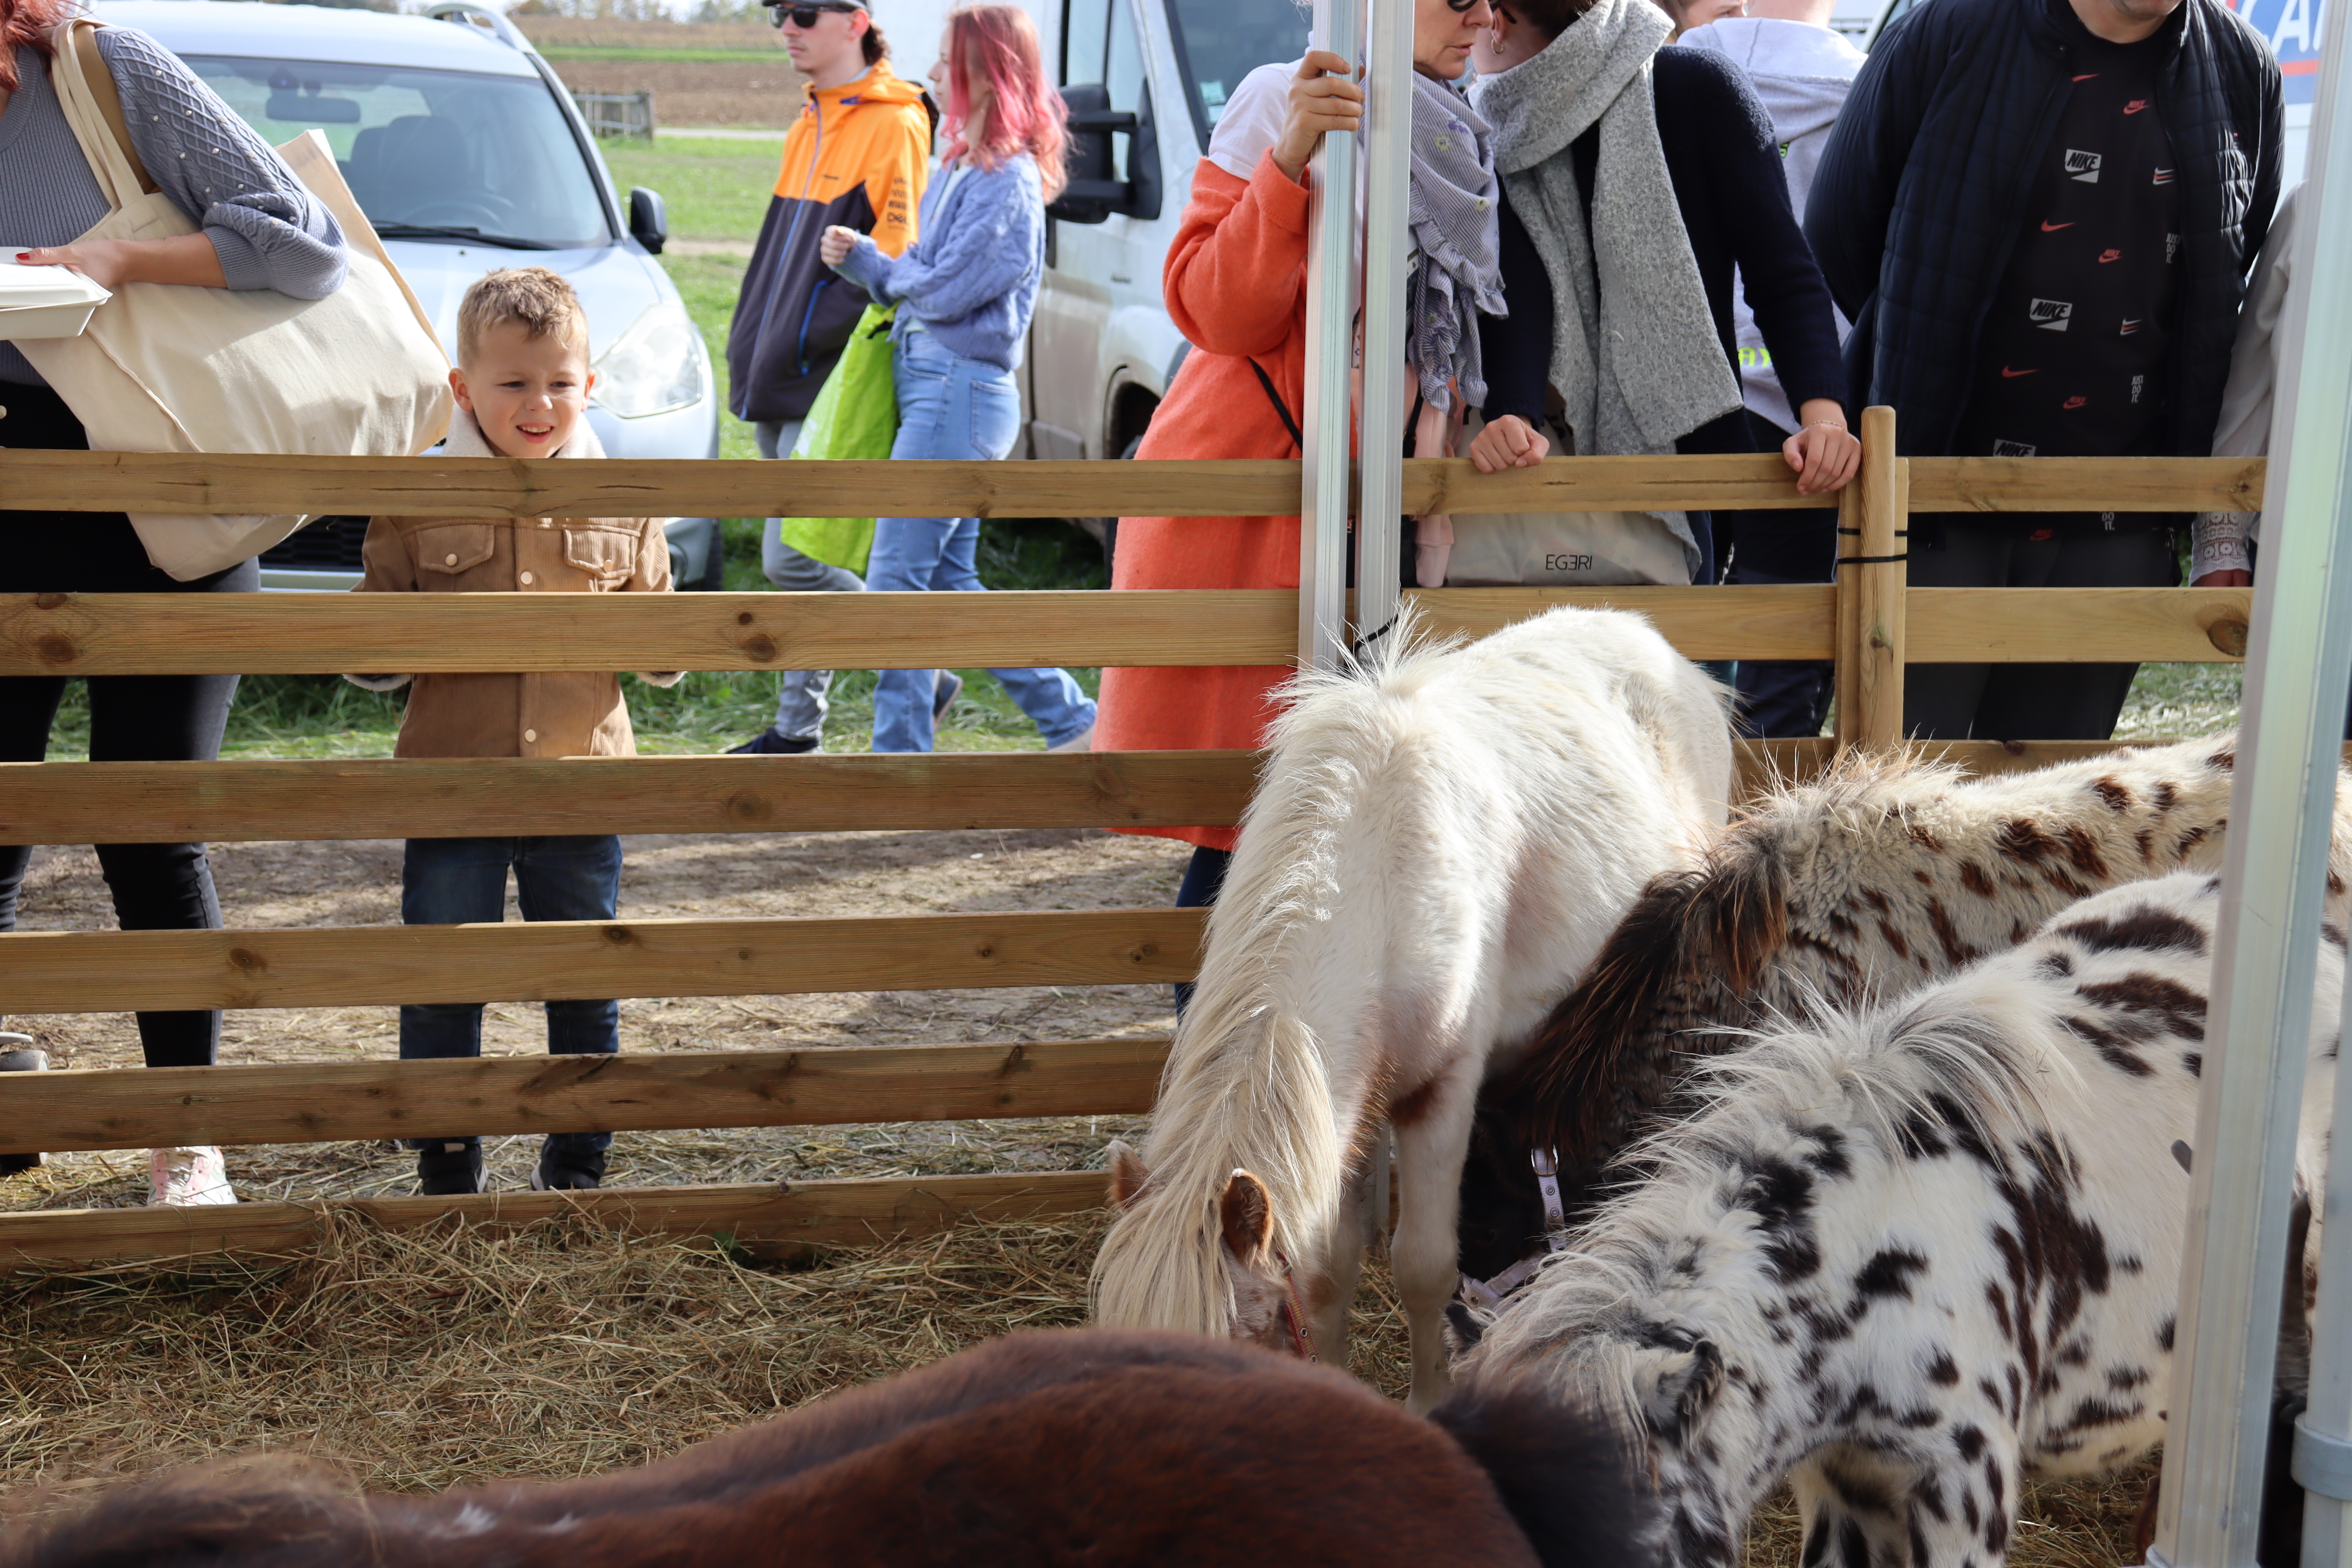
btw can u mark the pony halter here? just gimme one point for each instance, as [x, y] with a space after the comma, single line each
[1294, 1317]
[1487, 1294]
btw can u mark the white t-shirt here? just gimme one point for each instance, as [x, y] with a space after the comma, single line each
[1251, 121]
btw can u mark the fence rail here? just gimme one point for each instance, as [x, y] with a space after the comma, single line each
[1871, 622]
[554, 961]
[325, 634]
[312, 1103]
[432, 486]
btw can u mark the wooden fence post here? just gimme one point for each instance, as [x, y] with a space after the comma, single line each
[1873, 538]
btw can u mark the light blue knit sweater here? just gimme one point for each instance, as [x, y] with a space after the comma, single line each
[972, 277]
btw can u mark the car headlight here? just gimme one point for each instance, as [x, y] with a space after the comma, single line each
[658, 364]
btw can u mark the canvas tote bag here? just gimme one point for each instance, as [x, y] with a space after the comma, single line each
[1561, 549]
[168, 368]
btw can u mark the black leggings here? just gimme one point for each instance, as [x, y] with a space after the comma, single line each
[133, 718]
[2030, 702]
[1204, 878]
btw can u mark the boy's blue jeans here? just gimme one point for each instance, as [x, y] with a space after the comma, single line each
[457, 881]
[950, 406]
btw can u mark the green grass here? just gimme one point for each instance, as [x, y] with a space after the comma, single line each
[714, 189]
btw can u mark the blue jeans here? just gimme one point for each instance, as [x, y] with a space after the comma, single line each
[950, 406]
[454, 882]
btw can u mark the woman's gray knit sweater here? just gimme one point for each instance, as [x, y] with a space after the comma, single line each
[270, 232]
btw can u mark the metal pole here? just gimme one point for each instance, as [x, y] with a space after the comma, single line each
[1330, 312]
[1387, 254]
[2280, 810]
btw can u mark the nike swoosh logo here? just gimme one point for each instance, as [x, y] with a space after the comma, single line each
[2133, 108]
[2008, 374]
[2054, 227]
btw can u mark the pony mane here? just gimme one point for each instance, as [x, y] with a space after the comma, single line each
[1973, 1059]
[1247, 1085]
[1708, 932]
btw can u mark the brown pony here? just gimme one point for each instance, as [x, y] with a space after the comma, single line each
[1067, 1447]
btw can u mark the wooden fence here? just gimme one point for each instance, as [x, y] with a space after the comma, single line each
[1870, 622]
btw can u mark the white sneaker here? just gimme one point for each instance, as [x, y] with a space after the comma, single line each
[1083, 740]
[185, 1178]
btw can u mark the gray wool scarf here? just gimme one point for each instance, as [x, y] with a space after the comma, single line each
[1456, 274]
[1634, 351]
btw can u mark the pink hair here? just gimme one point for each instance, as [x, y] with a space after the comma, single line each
[1025, 114]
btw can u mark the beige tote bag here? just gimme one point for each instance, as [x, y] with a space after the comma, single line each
[165, 367]
[1561, 549]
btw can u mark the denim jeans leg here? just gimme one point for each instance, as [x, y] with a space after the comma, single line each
[573, 877]
[1053, 701]
[449, 881]
[907, 552]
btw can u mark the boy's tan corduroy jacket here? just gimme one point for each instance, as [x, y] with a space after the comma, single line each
[505, 715]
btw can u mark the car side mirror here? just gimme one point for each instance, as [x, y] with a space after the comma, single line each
[648, 218]
[1093, 192]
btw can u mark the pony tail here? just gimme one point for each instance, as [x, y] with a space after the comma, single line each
[877, 46]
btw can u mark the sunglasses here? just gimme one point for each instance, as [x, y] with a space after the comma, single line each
[804, 16]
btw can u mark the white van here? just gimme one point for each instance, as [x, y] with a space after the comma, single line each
[1145, 81]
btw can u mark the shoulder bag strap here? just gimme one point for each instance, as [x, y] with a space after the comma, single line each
[108, 97]
[1281, 410]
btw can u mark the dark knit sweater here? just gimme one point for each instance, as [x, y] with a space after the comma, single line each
[1726, 167]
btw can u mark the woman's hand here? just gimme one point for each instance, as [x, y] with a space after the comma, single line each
[1324, 97]
[2233, 577]
[110, 263]
[833, 245]
[1824, 452]
[1509, 442]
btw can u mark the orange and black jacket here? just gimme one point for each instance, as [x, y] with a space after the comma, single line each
[857, 155]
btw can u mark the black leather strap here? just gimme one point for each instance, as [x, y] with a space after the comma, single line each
[1280, 409]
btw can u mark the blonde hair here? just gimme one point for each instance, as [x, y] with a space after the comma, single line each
[534, 299]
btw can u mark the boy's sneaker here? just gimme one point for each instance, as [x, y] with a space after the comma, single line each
[448, 1166]
[945, 688]
[1083, 740]
[563, 1171]
[768, 744]
[186, 1178]
[17, 1053]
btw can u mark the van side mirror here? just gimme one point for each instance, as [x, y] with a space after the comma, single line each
[648, 218]
[1093, 192]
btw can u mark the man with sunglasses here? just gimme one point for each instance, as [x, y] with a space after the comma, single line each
[856, 155]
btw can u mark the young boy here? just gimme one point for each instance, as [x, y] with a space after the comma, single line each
[522, 383]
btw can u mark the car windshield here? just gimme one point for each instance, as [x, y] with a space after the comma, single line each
[1218, 43]
[431, 154]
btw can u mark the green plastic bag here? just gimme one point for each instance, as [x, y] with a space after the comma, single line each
[856, 416]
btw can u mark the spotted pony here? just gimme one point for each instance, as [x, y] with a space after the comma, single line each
[1907, 1254]
[1878, 877]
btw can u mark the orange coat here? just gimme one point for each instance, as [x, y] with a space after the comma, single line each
[1237, 285]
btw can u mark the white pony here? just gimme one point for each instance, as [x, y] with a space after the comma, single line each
[1439, 844]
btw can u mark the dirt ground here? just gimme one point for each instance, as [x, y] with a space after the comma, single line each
[717, 876]
[763, 92]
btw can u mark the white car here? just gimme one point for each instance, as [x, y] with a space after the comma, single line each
[466, 154]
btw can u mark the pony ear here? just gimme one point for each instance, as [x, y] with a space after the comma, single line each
[1127, 1175]
[1246, 1215]
[1680, 1386]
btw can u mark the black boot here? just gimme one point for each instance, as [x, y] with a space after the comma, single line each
[565, 1167]
[450, 1165]
[17, 1053]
